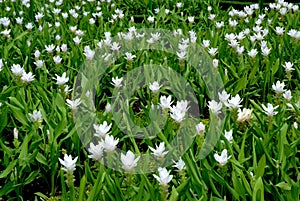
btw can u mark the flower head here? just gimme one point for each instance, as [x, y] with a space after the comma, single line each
[223, 158]
[102, 129]
[68, 163]
[110, 143]
[129, 161]
[270, 110]
[96, 151]
[163, 176]
[159, 151]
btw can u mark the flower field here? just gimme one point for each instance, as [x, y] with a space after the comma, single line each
[149, 100]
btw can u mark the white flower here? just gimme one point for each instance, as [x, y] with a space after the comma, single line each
[102, 129]
[27, 77]
[110, 143]
[252, 53]
[288, 66]
[278, 87]
[159, 151]
[77, 40]
[108, 107]
[1, 65]
[68, 163]
[279, 30]
[180, 165]
[165, 102]
[16, 133]
[17, 70]
[88, 53]
[287, 95]
[154, 87]
[129, 56]
[117, 82]
[222, 159]
[50, 48]
[213, 51]
[177, 114]
[129, 161]
[224, 96]
[73, 104]
[244, 115]
[164, 176]
[36, 116]
[214, 106]
[200, 128]
[265, 51]
[295, 124]
[270, 110]
[215, 63]
[39, 63]
[96, 151]
[228, 135]
[61, 80]
[206, 43]
[234, 102]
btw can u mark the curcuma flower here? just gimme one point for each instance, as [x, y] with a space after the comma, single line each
[159, 151]
[180, 165]
[129, 161]
[223, 158]
[68, 164]
[110, 143]
[270, 110]
[61, 80]
[215, 107]
[117, 82]
[234, 102]
[164, 176]
[165, 102]
[35, 116]
[96, 151]
[73, 104]
[154, 87]
[200, 128]
[278, 87]
[244, 115]
[102, 129]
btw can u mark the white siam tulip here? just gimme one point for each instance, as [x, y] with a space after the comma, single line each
[244, 114]
[102, 129]
[35, 116]
[117, 82]
[287, 95]
[27, 77]
[129, 161]
[234, 102]
[159, 151]
[223, 158]
[252, 53]
[96, 151]
[73, 104]
[61, 80]
[224, 96]
[69, 164]
[200, 128]
[163, 176]
[110, 143]
[278, 87]
[17, 70]
[288, 66]
[129, 56]
[50, 48]
[1, 65]
[215, 107]
[154, 87]
[228, 135]
[57, 59]
[165, 102]
[269, 110]
[180, 165]
[213, 51]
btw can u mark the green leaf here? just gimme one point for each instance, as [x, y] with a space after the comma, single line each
[8, 169]
[285, 186]
[260, 170]
[174, 194]
[258, 191]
